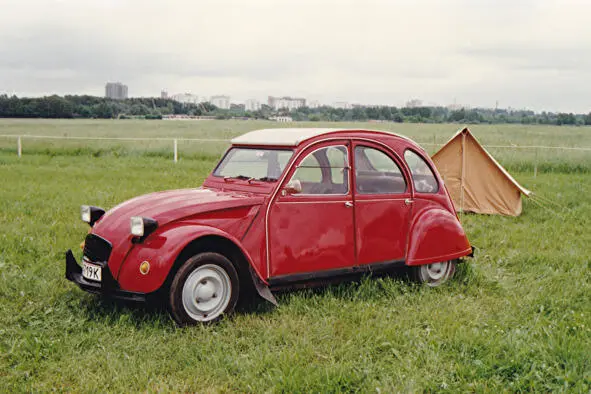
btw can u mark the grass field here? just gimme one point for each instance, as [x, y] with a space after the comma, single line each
[517, 317]
[431, 135]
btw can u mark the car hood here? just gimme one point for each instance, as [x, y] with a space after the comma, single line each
[172, 205]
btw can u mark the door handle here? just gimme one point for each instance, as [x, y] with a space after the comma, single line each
[408, 201]
[348, 204]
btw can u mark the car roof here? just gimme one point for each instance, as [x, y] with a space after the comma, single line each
[293, 136]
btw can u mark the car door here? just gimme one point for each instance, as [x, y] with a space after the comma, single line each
[382, 205]
[311, 228]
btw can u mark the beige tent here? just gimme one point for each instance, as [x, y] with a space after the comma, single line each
[476, 181]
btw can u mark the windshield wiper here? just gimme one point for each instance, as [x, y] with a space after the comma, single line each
[241, 177]
[267, 179]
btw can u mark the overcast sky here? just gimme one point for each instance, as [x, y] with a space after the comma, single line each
[532, 54]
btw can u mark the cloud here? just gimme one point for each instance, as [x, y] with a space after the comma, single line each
[382, 52]
[563, 58]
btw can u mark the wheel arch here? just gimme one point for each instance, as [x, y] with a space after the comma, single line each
[213, 243]
[436, 235]
[217, 242]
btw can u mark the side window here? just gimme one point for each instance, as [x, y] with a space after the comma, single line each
[324, 171]
[422, 176]
[309, 170]
[377, 173]
[337, 160]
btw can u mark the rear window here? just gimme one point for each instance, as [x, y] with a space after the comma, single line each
[377, 173]
[422, 176]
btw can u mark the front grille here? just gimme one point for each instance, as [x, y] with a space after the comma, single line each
[97, 249]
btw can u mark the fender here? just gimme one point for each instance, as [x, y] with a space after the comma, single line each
[436, 235]
[161, 251]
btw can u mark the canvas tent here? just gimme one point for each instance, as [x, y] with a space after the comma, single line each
[475, 180]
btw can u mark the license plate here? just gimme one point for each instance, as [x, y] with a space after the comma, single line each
[91, 271]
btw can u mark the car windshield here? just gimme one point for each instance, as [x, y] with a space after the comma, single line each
[253, 164]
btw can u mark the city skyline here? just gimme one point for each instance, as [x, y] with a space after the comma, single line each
[188, 97]
[253, 104]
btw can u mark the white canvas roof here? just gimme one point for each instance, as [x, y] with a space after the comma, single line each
[292, 136]
[281, 137]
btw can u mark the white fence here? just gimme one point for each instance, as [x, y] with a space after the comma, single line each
[174, 142]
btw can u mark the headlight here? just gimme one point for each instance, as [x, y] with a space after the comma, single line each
[142, 227]
[85, 213]
[90, 214]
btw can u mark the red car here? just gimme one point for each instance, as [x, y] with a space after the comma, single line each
[283, 207]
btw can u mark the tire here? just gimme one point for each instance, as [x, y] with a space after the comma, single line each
[204, 289]
[435, 274]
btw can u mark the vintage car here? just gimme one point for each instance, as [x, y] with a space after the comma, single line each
[282, 208]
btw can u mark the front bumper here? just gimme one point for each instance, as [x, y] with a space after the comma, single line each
[107, 287]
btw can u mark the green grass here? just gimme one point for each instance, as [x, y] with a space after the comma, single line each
[430, 135]
[517, 317]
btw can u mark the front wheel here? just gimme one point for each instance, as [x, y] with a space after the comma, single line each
[204, 289]
[435, 274]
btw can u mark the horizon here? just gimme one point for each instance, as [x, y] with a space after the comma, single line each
[263, 102]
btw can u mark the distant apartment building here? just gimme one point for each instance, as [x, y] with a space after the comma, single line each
[222, 102]
[164, 94]
[185, 98]
[455, 106]
[116, 91]
[286, 102]
[414, 103]
[281, 119]
[314, 104]
[252, 105]
[342, 105]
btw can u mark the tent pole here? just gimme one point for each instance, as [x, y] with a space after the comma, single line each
[463, 170]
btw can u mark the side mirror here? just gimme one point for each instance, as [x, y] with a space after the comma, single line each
[293, 187]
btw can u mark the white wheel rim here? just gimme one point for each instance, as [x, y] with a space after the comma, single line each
[435, 272]
[207, 292]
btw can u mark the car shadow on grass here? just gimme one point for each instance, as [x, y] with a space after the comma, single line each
[112, 311]
[154, 312]
[371, 287]
[365, 287]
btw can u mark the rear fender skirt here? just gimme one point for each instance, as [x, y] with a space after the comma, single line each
[436, 235]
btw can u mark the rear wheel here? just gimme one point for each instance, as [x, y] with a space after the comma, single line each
[205, 288]
[435, 274]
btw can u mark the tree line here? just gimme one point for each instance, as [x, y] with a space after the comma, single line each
[89, 107]
[68, 107]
